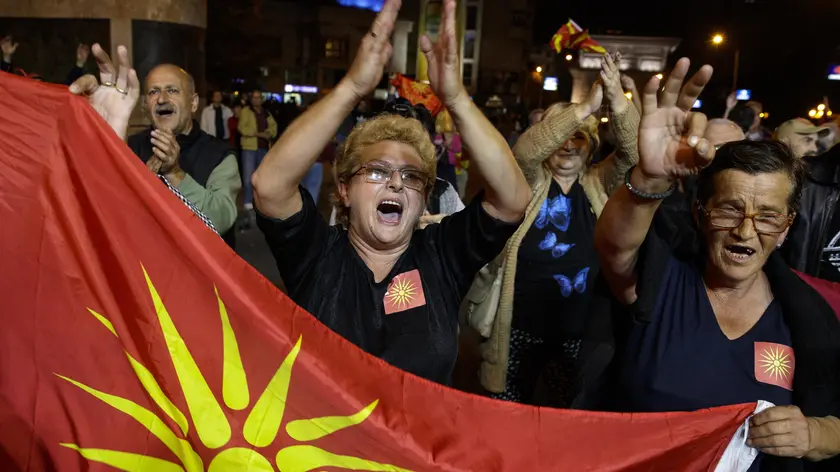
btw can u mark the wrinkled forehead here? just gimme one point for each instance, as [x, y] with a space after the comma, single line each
[393, 153]
[761, 191]
[167, 76]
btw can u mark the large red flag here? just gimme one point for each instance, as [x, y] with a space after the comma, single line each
[133, 338]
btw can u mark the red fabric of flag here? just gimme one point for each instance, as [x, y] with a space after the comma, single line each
[417, 93]
[134, 338]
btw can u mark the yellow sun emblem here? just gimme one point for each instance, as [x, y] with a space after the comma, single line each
[402, 293]
[211, 425]
[776, 363]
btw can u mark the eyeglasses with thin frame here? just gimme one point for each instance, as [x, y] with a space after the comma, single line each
[382, 173]
[764, 222]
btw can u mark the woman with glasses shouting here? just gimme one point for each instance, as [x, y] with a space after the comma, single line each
[392, 290]
[712, 315]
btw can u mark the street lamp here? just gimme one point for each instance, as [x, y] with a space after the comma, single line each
[629, 95]
[659, 76]
[812, 113]
[719, 39]
[569, 57]
[539, 69]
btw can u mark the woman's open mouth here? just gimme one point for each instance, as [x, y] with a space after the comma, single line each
[739, 253]
[389, 212]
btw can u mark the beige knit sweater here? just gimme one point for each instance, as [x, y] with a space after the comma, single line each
[598, 181]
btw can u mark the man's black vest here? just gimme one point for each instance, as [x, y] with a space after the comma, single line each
[200, 155]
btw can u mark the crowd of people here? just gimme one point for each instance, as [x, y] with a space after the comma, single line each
[644, 267]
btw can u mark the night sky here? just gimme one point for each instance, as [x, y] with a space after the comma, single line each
[786, 46]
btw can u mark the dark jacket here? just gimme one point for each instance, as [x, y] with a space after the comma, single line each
[809, 234]
[814, 330]
[200, 155]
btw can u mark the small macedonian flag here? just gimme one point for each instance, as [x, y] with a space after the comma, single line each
[404, 293]
[774, 364]
[418, 93]
[572, 36]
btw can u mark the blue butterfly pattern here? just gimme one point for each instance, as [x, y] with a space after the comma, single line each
[557, 211]
[578, 285]
[549, 243]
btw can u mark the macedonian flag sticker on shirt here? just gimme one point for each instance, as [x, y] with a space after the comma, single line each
[774, 364]
[404, 293]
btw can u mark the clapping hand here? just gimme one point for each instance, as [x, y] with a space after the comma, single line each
[82, 54]
[8, 48]
[374, 53]
[592, 103]
[611, 78]
[443, 59]
[116, 97]
[671, 143]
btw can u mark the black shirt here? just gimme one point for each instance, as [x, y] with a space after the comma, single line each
[682, 361]
[410, 318]
[556, 267]
[830, 258]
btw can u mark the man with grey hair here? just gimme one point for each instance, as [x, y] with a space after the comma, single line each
[202, 167]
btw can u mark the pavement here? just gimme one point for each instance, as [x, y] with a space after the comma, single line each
[251, 245]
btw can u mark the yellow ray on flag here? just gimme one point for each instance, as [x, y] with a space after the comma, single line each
[126, 461]
[210, 422]
[181, 448]
[317, 428]
[264, 421]
[147, 379]
[234, 382]
[305, 458]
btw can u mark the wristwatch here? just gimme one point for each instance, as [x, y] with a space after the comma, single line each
[645, 195]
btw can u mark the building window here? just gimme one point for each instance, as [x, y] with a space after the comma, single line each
[468, 72]
[469, 45]
[335, 49]
[472, 17]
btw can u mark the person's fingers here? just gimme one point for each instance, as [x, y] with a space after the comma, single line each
[449, 30]
[160, 144]
[776, 440]
[610, 63]
[84, 85]
[385, 54]
[649, 101]
[770, 429]
[133, 85]
[776, 413]
[674, 83]
[785, 451]
[431, 56]
[107, 73]
[694, 88]
[695, 125]
[385, 20]
[125, 65]
[160, 155]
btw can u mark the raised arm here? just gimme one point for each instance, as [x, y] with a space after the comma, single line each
[670, 147]
[625, 125]
[507, 193]
[545, 137]
[277, 178]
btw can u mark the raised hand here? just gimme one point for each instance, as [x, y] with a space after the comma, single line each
[671, 143]
[374, 53]
[82, 54]
[116, 97]
[592, 103]
[443, 59]
[611, 78]
[8, 48]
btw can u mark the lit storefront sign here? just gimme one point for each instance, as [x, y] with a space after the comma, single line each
[300, 89]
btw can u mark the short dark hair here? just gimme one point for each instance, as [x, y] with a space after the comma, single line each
[754, 157]
[743, 116]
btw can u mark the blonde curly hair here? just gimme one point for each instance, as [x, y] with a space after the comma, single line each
[386, 127]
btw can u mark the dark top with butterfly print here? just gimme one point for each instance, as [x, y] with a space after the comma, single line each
[556, 267]
[410, 318]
